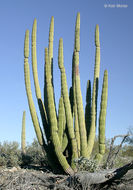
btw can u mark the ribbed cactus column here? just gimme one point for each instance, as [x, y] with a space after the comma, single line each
[53, 120]
[50, 54]
[102, 117]
[61, 118]
[81, 119]
[77, 34]
[67, 106]
[36, 81]
[78, 105]
[34, 60]
[62, 124]
[91, 135]
[97, 55]
[76, 128]
[64, 142]
[23, 143]
[74, 107]
[51, 39]
[29, 93]
[97, 66]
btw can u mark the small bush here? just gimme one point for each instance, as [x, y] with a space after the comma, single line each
[34, 155]
[10, 154]
[83, 164]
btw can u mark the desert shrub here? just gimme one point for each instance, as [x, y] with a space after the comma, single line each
[83, 164]
[2, 161]
[127, 151]
[119, 156]
[10, 154]
[121, 160]
[34, 155]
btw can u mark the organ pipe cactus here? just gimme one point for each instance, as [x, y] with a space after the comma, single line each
[102, 117]
[97, 67]
[77, 93]
[53, 119]
[67, 105]
[29, 93]
[68, 134]
[81, 119]
[23, 143]
[36, 81]
[61, 120]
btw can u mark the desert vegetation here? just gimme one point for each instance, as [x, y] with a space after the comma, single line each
[69, 134]
[32, 170]
[11, 155]
[67, 154]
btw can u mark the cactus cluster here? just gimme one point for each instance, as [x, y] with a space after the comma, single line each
[68, 134]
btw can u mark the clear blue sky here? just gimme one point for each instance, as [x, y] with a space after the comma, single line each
[116, 39]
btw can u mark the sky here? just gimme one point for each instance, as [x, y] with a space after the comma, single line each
[114, 18]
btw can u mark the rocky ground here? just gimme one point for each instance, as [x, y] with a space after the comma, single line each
[41, 179]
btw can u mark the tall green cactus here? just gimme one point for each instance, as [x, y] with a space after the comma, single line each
[51, 39]
[50, 54]
[53, 120]
[70, 134]
[61, 119]
[74, 107]
[77, 34]
[102, 117]
[92, 130]
[23, 143]
[81, 119]
[29, 93]
[78, 105]
[67, 105]
[36, 81]
[97, 67]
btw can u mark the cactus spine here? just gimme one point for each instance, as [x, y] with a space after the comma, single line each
[69, 134]
[23, 143]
